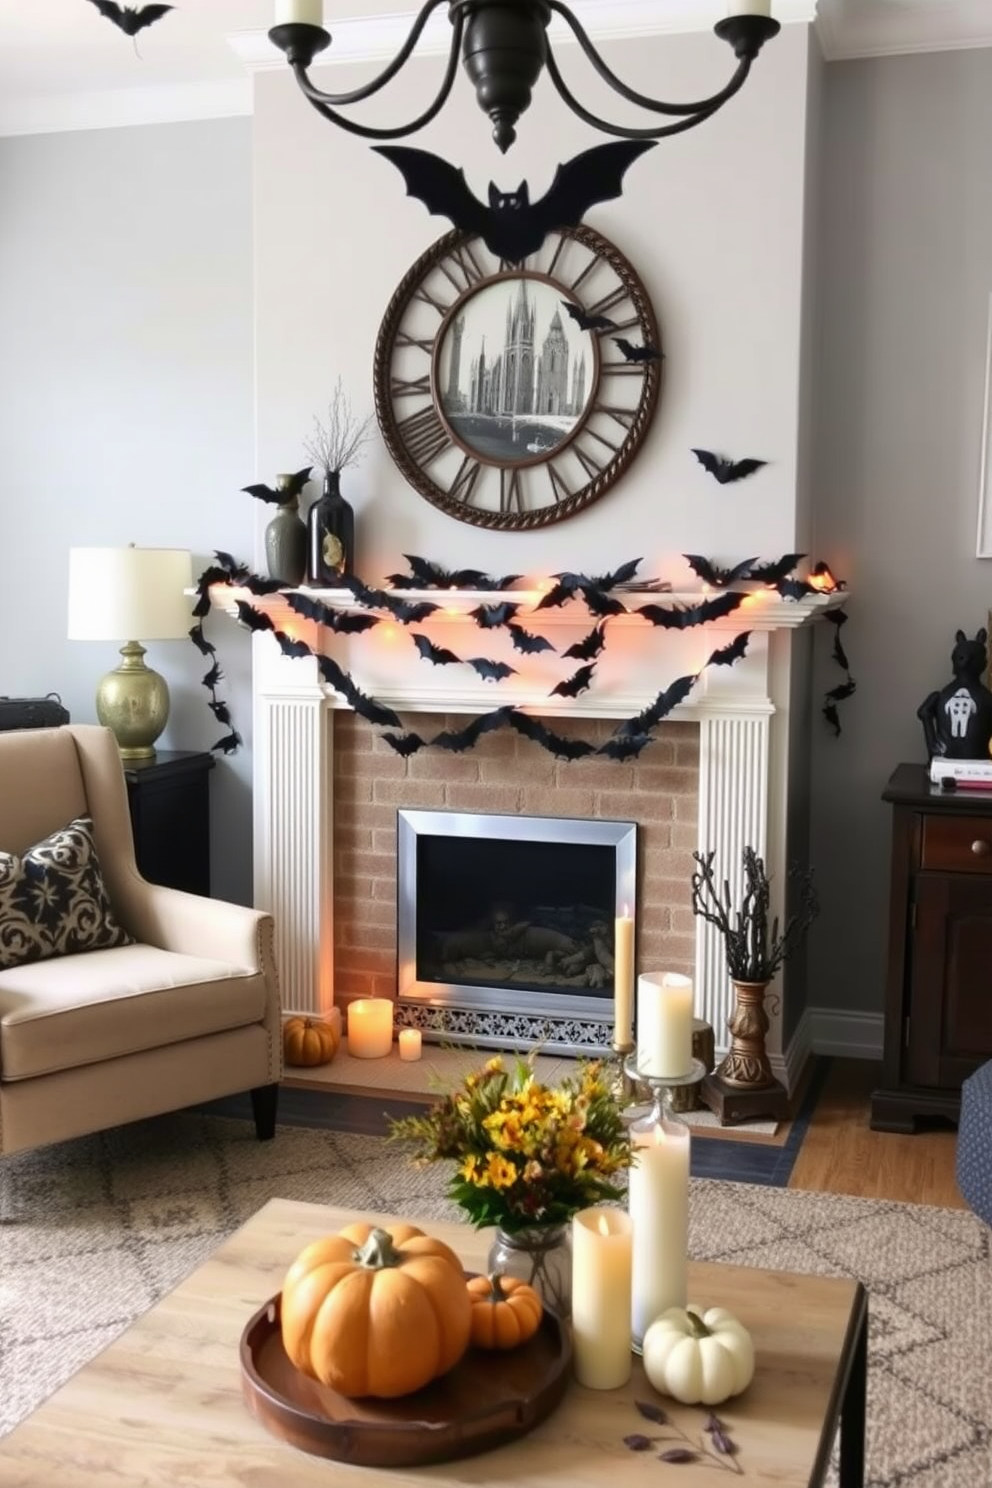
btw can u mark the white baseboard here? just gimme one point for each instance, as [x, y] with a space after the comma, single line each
[846, 1033]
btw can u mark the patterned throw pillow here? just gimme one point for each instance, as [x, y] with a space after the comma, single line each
[53, 901]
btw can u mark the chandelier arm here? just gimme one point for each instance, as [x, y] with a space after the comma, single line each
[358, 95]
[705, 107]
[322, 101]
[704, 112]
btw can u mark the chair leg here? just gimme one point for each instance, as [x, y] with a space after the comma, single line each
[264, 1101]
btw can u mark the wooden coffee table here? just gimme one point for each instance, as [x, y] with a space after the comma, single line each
[163, 1404]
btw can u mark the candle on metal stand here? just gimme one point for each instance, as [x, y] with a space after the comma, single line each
[601, 1297]
[664, 1025]
[297, 12]
[658, 1199]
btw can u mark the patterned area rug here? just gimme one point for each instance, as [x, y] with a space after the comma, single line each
[93, 1232]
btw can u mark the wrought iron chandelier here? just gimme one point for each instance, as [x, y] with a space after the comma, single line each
[504, 45]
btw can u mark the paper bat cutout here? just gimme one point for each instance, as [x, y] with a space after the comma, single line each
[200, 641]
[772, 573]
[632, 353]
[232, 568]
[230, 743]
[290, 647]
[400, 609]
[404, 744]
[324, 614]
[526, 642]
[255, 584]
[491, 671]
[254, 619]
[292, 488]
[711, 573]
[588, 322]
[427, 575]
[833, 697]
[533, 728]
[511, 225]
[578, 682]
[470, 735]
[436, 654]
[489, 617]
[570, 584]
[838, 618]
[726, 471]
[598, 602]
[663, 704]
[589, 647]
[794, 588]
[220, 710]
[727, 655]
[131, 18]
[364, 706]
[683, 617]
[626, 746]
[211, 678]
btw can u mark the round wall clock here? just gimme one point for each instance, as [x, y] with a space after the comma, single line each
[514, 395]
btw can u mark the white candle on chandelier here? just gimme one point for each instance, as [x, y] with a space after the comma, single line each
[749, 7]
[299, 12]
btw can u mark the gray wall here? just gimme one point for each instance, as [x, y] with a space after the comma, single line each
[905, 274]
[126, 412]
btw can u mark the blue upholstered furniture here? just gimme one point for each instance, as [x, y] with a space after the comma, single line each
[974, 1150]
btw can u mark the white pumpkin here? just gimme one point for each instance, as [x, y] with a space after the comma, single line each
[700, 1358]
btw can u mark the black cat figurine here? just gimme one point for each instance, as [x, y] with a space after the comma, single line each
[957, 721]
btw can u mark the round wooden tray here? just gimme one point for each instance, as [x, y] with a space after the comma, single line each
[487, 1399]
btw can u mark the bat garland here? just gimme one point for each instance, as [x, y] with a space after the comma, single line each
[847, 688]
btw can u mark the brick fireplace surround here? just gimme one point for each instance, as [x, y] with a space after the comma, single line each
[326, 788]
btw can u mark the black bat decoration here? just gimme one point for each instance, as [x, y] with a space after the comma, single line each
[324, 614]
[832, 698]
[366, 707]
[289, 647]
[255, 584]
[470, 735]
[220, 710]
[490, 671]
[598, 602]
[727, 655]
[625, 746]
[794, 588]
[211, 678]
[427, 575]
[254, 619]
[838, 618]
[511, 225]
[632, 353]
[292, 488]
[578, 682]
[200, 641]
[489, 617]
[589, 647]
[232, 568]
[772, 573]
[230, 743]
[526, 642]
[683, 617]
[726, 471]
[131, 18]
[533, 728]
[556, 595]
[404, 744]
[436, 654]
[400, 609]
[663, 704]
[588, 322]
[711, 573]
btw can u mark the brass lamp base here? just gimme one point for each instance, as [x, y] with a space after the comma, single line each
[133, 702]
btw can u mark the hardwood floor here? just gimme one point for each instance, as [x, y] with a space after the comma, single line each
[841, 1154]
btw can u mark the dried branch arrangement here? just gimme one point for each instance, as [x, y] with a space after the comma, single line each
[754, 950]
[339, 440]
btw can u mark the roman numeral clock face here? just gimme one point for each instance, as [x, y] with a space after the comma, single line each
[514, 395]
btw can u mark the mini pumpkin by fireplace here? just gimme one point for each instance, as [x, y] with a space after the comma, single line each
[506, 927]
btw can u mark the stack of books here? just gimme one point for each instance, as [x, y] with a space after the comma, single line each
[963, 775]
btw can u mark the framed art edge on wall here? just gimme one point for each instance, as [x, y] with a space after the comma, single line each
[984, 542]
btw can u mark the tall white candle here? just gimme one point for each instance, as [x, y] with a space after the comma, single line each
[370, 1027]
[664, 1024]
[658, 1199]
[623, 979]
[601, 1293]
[290, 12]
[749, 7]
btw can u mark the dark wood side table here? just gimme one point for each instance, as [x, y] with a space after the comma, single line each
[169, 800]
[938, 1001]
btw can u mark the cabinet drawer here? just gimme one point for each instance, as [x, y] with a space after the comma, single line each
[958, 844]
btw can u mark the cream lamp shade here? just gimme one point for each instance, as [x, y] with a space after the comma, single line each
[130, 595]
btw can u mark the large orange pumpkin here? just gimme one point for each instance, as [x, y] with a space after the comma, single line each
[306, 1042]
[505, 1311]
[377, 1312]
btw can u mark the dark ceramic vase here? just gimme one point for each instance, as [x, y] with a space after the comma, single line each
[286, 544]
[330, 535]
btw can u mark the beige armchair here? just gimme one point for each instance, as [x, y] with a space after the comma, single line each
[187, 1013]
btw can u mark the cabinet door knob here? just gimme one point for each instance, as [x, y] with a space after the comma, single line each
[981, 848]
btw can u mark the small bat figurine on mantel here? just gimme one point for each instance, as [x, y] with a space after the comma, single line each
[725, 471]
[511, 225]
[131, 18]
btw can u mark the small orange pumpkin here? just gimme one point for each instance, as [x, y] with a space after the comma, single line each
[376, 1312]
[307, 1042]
[505, 1311]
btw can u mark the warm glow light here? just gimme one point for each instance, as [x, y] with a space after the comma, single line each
[388, 632]
[751, 599]
[604, 1225]
[658, 1136]
[821, 578]
[626, 912]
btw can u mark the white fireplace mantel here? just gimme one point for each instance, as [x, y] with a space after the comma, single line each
[293, 729]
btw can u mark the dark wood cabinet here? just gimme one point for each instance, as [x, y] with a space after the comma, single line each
[169, 801]
[938, 1011]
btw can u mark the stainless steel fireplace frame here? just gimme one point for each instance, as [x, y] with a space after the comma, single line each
[452, 1013]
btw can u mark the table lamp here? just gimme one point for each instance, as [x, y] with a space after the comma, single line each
[119, 593]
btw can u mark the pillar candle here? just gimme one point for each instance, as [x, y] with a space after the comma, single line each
[658, 1199]
[601, 1292]
[370, 1027]
[290, 12]
[749, 7]
[664, 1025]
[623, 979]
[409, 1042]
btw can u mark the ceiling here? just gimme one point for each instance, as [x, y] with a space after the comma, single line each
[62, 65]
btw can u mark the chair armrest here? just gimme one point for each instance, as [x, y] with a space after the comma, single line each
[197, 926]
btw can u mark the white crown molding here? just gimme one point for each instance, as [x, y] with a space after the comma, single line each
[57, 112]
[852, 28]
[379, 38]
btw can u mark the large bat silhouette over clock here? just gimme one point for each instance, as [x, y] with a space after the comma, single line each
[511, 225]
